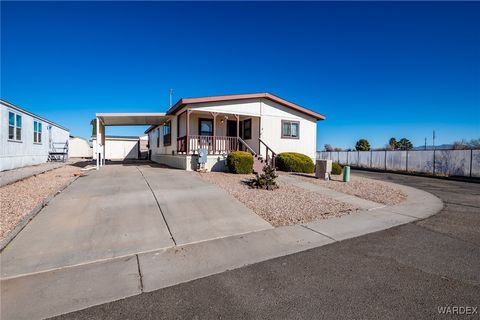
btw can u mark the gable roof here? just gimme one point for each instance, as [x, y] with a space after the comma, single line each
[31, 114]
[184, 101]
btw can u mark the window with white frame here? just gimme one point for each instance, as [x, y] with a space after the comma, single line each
[290, 129]
[37, 132]
[14, 126]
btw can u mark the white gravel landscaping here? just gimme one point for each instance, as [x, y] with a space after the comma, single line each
[287, 205]
[364, 188]
[18, 199]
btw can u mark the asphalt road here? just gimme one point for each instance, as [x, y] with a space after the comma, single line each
[406, 272]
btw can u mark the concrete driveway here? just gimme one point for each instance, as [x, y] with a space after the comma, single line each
[407, 272]
[125, 209]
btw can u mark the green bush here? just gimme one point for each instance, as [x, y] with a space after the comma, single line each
[294, 162]
[336, 168]
[240, 162]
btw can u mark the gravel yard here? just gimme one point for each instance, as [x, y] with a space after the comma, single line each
[18, 199]
[287, 205]
[364, 188]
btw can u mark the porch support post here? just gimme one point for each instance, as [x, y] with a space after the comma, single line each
[214, 139]
[238, 130]
[187, 133]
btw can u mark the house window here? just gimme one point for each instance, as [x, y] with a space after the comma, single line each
[205, 127]
[14, 126]
[37, 132]
[247, 129]
[167, 134]
[158, 138]
[290, 129]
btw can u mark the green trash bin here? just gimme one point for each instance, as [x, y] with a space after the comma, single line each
[346, 173]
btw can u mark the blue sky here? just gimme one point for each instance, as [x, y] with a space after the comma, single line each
[376, 70]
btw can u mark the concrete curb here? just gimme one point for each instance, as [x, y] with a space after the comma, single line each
[81, 286]
[27, 218]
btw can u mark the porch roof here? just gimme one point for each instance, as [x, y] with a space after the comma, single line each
[132, 119]
[185, 101]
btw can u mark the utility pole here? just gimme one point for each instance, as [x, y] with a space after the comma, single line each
[171, 95]
[433, 139]
[425, 143]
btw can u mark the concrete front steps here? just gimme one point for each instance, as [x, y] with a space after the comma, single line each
[258, 163]
[58, 291]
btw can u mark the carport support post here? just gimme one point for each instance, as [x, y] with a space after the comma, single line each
[97, 149]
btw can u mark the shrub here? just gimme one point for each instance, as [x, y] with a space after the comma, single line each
[240, 162]
[336, 168]
[294, 162]
[266, 180]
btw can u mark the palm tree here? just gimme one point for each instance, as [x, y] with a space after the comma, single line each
[405, 144]
[393, 143]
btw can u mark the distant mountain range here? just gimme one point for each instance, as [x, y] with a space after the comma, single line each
[442, 146]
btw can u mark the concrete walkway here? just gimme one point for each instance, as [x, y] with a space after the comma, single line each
[79, 286]
[353, 200]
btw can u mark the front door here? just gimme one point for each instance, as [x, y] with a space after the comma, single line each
[232, 131]
[232, 128]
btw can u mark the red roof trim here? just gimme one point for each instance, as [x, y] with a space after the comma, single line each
[183, 102]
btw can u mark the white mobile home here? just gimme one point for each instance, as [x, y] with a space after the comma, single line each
[28, 139]
[261, 123]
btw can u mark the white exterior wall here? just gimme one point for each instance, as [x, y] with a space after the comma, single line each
[79, 148]
[269, 128]
[16, 154]
[118, 149]
[266, 118]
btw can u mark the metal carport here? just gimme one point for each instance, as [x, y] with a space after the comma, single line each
[122, 119]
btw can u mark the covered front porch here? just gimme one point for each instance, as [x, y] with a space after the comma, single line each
[217, 133]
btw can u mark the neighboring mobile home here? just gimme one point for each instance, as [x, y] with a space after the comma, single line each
[79, 147]
[28, 139]
[261, 123]
[119, 147]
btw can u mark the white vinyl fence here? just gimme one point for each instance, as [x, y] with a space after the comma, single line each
[465, 163]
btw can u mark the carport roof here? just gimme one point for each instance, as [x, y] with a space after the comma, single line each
[132, 119]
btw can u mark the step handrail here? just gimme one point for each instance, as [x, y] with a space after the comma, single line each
[247, 146]
[272, 159]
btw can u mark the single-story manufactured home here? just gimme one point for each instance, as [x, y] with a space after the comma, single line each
[28, 139]
[261, 123]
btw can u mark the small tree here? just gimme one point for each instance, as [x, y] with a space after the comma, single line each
[474, 144]
[337, 149]
[393, 143]
[459, 145]
[405, 144]
[328, 147]
[93, 123]
[266, 180]
[362, 145]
